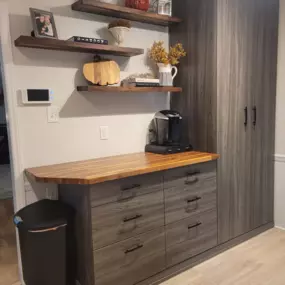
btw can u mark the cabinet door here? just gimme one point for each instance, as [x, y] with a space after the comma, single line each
[264, 70]
[234, 57]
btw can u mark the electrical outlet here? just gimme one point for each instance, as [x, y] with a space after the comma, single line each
[53, 114]
[104, 133]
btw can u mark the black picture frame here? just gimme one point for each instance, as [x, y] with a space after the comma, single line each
[43, 24]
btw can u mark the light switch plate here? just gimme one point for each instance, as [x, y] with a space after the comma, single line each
[104, 132]
[53, 114]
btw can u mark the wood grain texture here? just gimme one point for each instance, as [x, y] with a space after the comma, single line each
[118, 221]
[132, 260]
[125, 189]
[110, 89]
[103, 73]
[209, 254]
[234, 85]
[265, 38]
[53, 44]
[106, 9]
[256, 262]
[187, 194]
[116, 167]
[8, 247]
[197, 72]
[80, 201]
[190, 237]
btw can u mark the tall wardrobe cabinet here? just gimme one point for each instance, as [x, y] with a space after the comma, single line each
[228, 101]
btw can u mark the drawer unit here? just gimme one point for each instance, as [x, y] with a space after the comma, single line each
[121, 220]
[189, 190]
[190, 237]
[125, 189]
[132, 260]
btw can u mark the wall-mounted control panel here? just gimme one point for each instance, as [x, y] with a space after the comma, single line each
[37, 96]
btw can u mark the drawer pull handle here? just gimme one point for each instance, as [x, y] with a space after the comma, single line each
[134, 248]
[193, 173]
[134, 186]
[126, 199]
[194, 226]
[132, 218]
[187, 182]
[194, 200]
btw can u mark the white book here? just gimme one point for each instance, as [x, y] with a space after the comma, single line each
[145, 80]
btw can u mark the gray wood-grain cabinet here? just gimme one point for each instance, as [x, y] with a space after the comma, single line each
[130, 229]
[228, 101]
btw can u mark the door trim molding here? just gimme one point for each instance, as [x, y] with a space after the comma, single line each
[279, 157]
[6, 57]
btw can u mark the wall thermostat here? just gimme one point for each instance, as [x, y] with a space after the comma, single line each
[37, 96]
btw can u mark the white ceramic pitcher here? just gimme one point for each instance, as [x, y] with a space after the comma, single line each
[165, 74]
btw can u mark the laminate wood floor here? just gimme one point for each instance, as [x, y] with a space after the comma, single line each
[259, 261]
[8, 249]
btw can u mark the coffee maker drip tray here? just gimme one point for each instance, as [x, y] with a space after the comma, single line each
[167, 149]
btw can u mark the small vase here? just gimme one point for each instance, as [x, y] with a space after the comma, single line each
[119, 33]
[165, 74]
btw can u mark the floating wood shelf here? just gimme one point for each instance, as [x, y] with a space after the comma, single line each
[109, 89]
[96, 7]
[52, 44]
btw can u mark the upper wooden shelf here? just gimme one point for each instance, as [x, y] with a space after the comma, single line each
[115, 167]
[53, 44]
[96, 7]
[95, 88]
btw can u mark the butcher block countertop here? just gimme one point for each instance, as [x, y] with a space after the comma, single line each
[115, 167]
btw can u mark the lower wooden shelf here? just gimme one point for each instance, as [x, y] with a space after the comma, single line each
[110, 89]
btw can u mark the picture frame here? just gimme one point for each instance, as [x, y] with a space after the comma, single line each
[43, 24]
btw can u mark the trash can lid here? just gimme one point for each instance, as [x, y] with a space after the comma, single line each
[43, 215]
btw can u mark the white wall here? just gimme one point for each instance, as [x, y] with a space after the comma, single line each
[76, 136]
[280, 126]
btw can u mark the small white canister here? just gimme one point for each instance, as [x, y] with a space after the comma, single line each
[165, 7]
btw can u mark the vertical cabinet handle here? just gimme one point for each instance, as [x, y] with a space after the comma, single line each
[254, 116]
[245, 116]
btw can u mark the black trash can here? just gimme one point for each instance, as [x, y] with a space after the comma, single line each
[43, 233]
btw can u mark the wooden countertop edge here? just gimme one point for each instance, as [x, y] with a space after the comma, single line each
[127, 173]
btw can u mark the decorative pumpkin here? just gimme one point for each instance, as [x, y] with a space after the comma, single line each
[102, 72]
[138, 4]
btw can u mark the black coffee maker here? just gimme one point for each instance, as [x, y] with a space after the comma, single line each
[165, 134]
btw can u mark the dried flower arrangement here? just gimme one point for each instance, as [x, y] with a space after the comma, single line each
[158, 53]
[120, 23]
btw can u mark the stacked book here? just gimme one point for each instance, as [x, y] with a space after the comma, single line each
[141, 82]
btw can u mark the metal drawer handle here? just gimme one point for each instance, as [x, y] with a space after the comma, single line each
[194, 200]
[193, 173]
[127, 198]
[195, 226]
[187, 182]
[132, 218]
[134, 248]
[134, 186]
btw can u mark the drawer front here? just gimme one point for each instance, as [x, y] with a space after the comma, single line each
[132, 260]
[125, 189]
[190, 190]
[121, 220]
[190, 237]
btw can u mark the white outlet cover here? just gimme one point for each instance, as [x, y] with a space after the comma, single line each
[53, 114]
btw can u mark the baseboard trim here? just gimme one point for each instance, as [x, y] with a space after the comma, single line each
[279, 157]
[177, 269]
[280, 228]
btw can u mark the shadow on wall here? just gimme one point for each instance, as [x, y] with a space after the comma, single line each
[66, 11]
[87, 104]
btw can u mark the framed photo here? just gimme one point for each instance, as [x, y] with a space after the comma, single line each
[43, 24]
